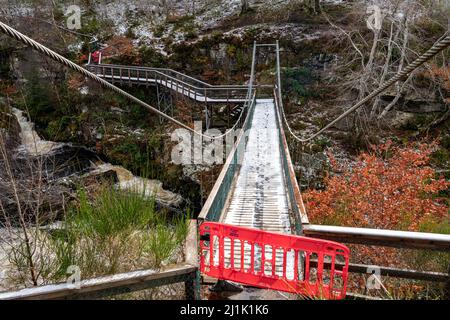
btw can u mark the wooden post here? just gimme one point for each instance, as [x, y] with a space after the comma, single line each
[447, 287]
[192, 286]
[211, 123]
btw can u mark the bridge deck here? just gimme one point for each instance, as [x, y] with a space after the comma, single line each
[259, 198]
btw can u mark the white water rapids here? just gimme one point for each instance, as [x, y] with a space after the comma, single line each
[32, 144]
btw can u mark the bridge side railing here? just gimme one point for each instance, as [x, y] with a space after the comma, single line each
[213, 208]
[194, 82]
[295, 198]
[149, 76]
[178, 82]
[298, 211]
[176, 74]
[186, 273]
[214, 205]
[367, 236]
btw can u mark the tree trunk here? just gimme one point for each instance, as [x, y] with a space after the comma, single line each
[244, 6]
[314, 6]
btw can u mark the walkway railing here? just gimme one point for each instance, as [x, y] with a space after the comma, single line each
[214, 205]
[114, 285]
[295, 198]
[180, 83]
[186, 273]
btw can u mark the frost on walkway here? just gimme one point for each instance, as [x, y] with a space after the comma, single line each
[259, 199]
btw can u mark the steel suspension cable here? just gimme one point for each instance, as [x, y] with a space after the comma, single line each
[438, 46]
[59, 58]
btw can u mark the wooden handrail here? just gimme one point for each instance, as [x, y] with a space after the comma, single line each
[380, 237]
[106, 286]
[389, 271]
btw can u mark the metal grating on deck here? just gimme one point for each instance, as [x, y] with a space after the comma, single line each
[259, 199]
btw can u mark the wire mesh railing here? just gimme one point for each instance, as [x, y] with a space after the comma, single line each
[298, 212]
[214, 205]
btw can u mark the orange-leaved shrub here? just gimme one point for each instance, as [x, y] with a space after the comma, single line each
[389, 187]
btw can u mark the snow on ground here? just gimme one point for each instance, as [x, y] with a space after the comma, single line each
[213, 13]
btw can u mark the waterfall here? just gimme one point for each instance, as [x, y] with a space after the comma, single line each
[35, 146]
[31, 142]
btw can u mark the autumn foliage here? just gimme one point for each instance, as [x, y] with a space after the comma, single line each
[389, 187]
[441, 74]
[121, 48]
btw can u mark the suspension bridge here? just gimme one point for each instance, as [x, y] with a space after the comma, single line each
[252, 189]
[252, 222]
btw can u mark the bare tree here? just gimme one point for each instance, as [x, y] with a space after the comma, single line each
[380, 52]
[314, 6]
[26, 198]
[245, 6]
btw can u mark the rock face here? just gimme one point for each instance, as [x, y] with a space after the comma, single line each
[34, 199]
[415, 106]
[148, 187]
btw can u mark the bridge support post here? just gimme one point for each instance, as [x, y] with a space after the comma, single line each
[447, 288]
[192, 285]
[164, 101]
[211, 112]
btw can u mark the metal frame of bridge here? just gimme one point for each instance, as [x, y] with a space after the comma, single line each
[259, 191]
[171, 84]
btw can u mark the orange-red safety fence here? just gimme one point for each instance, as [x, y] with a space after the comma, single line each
[291, 263]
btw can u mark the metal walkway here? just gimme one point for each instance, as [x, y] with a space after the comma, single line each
[259, 198]
[173, 80]
[257, 186]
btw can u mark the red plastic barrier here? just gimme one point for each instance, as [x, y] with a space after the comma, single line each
[295, 264]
